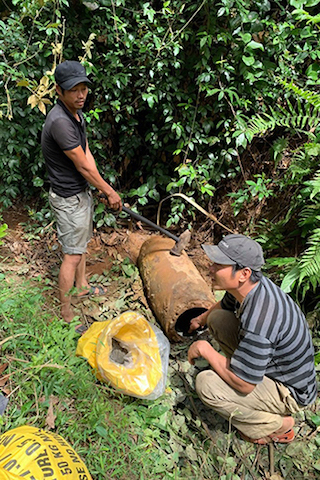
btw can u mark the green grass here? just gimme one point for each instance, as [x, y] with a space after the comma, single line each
[113, 434]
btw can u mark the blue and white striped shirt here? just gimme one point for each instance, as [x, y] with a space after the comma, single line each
[274, 340]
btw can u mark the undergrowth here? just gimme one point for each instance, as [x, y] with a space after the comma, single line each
[174, 437]
[105, 429]
[112, 433]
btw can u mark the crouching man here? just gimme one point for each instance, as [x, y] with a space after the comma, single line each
[267, 373]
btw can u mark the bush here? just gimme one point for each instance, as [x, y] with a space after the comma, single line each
[174, 86]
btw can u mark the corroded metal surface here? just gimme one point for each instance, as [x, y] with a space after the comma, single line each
[173, 284]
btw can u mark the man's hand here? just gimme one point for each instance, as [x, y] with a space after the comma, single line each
[198, 322]
[220, 364]
[202, 319]
[197, 350]
[112, 200]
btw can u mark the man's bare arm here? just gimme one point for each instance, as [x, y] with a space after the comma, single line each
[220, 364]
[86, 165]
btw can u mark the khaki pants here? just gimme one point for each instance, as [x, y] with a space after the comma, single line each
[256, 414]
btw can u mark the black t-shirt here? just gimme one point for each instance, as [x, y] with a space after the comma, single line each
[62, 131]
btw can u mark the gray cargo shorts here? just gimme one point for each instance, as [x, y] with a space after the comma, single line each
[74, 220]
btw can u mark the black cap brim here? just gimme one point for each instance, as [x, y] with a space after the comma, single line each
[72, 82]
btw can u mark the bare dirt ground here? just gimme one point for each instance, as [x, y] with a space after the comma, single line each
[34, 253]
[40, 253]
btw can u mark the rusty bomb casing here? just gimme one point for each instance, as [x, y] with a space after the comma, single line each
[174, 287]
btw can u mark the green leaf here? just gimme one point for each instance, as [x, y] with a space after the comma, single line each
[150, 98]
[38, 182]
[102, 432]
[248, 60]
[3, 232]
[254, 45]
[100, 223]
[315, 419]
[100, 208]
[142, 191]
[191, 453]
[279, 262]
[246, 37]
[290, 279]
[129, 270]
[203, 41]
[317, 358]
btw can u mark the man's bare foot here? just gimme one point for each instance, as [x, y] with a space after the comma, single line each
[67, 314]
[68, 317]
[285, 434]
[90, 291]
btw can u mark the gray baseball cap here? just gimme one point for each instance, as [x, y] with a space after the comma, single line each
[236, 249]
[70, 73]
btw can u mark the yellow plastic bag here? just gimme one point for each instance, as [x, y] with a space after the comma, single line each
[129, 353]
[34, 454]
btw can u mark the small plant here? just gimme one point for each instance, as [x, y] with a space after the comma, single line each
[3, 231]
[255, 190]
[177, 212]
[102, 216]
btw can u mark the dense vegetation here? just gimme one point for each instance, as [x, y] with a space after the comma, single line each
[216, 101]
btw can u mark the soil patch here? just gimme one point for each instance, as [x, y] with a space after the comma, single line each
[14, 216]
[34, 253]
[40, 253]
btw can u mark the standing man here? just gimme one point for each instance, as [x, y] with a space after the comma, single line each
[267, 373]
[71, 168]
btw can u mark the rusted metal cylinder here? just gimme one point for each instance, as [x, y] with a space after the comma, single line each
[174, 287]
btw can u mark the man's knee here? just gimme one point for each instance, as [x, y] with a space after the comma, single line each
[218, 319]
[72, 260]
[223, 326]
[200, 381]
[216, 393]
[206, 386]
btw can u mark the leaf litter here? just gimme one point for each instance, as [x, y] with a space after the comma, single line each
[196, 436]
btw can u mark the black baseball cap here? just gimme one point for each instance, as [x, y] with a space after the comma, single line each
[70, 73]
[236, 249]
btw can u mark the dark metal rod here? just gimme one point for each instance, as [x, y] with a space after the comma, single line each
[148, 222]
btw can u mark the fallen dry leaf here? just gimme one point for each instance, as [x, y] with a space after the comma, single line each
[50, 419]
[3, 367]
[110, 240]
[3, 380]
[134, 438]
